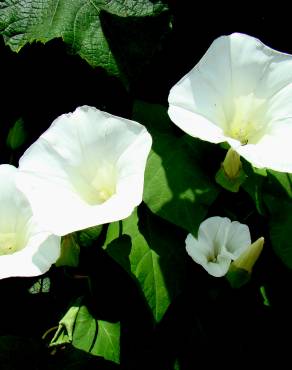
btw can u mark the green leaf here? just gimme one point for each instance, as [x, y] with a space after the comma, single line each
[177, 365]
[237, 277]
[70, 251]
[254, 185]
[280, 227]
[281, 182]
[232, 185]
[20, 352]
[77, 22]
[42, 285]
[155, 258]
[88, 236]
[17, 135]
[83, 331]
[177, 184]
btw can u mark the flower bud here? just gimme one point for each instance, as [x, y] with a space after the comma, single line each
[249, 257]
[232, 164]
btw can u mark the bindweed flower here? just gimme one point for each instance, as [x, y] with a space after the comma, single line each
[87, 169]
[239, 92]
[26, 249]
[219, 242]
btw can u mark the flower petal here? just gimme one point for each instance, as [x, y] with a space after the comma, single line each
[238, 239]
[199, 250]
[35, 259]
[219, 242]
[214, 231]
[198, 102]
[92, 164]
[239, 92]
[25, 248]
[274, 150]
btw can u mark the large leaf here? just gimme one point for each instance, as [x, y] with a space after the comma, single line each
[280, 182]
[97, 337]
[280, 227]
[155, 259]
[77, 22]
[177, 185]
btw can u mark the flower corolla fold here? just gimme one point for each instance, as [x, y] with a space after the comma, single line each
[26, 248]
[240, 92]
[87, 169]
[219, 242]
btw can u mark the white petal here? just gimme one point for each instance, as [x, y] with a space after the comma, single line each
[35, 259]
[25, 248]
[274, 150]
[239, 92]
[233, 66]
[238, 239]
[92, 165]
[214, 231]
[11, 200]
[199, 102]
[219, 242]
[199, 250]
[220, 267]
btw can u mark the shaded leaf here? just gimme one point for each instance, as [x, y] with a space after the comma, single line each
[16, 135]
[70, 251]
[177, 184]
[156, 257]
[88, 236]
[280, 182]
[18, 352]
[254, 185]
[280, 227]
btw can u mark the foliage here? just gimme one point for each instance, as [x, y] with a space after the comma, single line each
[129, 297]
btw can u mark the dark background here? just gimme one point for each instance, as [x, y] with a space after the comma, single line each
[209, 324]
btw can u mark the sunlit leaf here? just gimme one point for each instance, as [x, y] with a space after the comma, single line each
[78, 23]
[42, 285]
[83, 331]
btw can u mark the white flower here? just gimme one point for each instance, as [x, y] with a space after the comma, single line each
[239, 92]
[87, 169]
[26, 249]
[219, 242]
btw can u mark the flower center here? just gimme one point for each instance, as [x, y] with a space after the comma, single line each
[8, 243]
[97, 185]
[247, 121]
[104, 184]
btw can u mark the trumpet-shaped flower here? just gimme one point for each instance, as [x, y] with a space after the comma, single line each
[26, 249]
[86, 169]
[239, 92]
[219, 242]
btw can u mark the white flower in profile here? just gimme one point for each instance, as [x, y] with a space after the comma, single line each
[219, 242]
[26, 249]
[87, 169]
[239, 92]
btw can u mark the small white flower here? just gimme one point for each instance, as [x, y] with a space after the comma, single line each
[219, 242]
[26, 249]
[239, 92]
[87, 169]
